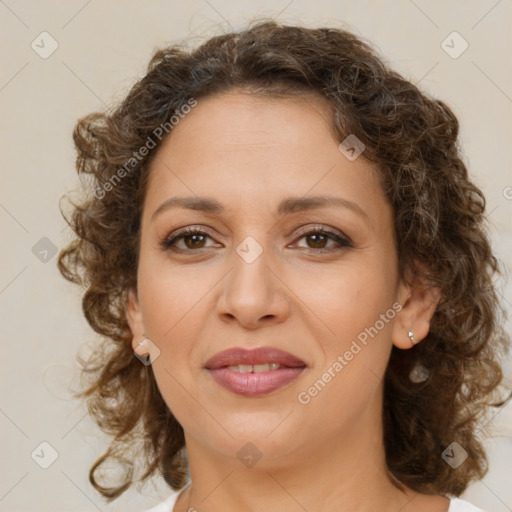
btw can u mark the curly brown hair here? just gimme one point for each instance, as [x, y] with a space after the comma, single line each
[439, 222]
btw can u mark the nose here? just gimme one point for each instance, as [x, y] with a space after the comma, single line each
[254, 295]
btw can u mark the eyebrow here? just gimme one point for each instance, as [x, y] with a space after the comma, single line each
[286, 206]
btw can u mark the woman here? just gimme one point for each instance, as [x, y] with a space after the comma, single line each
[284, 235]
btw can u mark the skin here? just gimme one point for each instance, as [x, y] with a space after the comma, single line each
[249, 153]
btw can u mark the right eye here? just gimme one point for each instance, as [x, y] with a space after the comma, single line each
[192, 237]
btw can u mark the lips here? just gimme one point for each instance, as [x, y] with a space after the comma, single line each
[254, 373]
[262, 355]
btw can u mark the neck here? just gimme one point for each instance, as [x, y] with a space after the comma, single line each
[347, 472]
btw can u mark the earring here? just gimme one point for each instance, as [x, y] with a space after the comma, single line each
[142, 350]
[146, 351]
[411, 337]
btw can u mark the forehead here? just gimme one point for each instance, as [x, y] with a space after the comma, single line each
[235, 145]
[243, 121]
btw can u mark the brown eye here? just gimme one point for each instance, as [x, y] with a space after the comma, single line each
[318, 238]
[192, 238]
[195, 241]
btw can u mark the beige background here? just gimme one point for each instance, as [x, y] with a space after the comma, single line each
[103, 46]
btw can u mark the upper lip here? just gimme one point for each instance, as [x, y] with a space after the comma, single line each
[261, 355]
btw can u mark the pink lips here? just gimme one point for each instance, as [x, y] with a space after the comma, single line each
[254, 384]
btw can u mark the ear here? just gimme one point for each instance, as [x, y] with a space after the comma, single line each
[134, 318]
[419, 303]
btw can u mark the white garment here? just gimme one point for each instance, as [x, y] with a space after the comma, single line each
[456, 504]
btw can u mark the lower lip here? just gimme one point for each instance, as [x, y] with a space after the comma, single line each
[255, 384]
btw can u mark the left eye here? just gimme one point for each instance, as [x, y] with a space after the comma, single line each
[195, 238]
[319, 236]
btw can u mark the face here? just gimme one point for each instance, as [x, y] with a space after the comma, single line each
[319, 282]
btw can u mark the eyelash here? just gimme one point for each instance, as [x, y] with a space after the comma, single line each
[343, 241]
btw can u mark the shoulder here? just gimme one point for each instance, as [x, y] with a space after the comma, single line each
[458, 505]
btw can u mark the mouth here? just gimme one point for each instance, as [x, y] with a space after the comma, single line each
[257, 358]
[254, 372]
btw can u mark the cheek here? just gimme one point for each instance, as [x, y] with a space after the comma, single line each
[177, 302]
[347, 298]
[355, 305]
[355, 359]
[170, 295]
